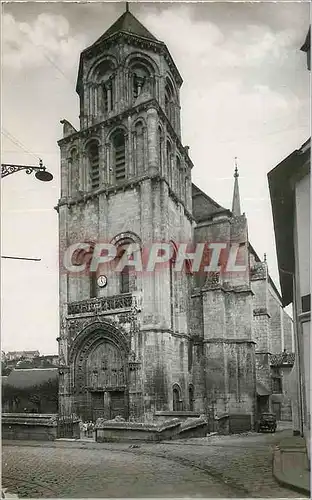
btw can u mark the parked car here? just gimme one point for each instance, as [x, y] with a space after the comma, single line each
[266, 422]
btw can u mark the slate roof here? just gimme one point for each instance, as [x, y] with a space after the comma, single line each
[129, 24]
[28, 377]
[205, 207]
[307, 43]
[283, 358]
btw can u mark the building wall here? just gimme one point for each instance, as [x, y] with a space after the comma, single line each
[303, 288]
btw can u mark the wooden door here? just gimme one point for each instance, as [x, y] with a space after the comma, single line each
[276, 408]
[117, 404]
[97, 405]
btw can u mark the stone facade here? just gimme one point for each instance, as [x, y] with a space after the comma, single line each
[150, 342]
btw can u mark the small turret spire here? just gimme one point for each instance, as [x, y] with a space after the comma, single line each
[236, 199]
[127, 7]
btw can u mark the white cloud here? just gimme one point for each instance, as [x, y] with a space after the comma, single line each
[212, 47]
[33, 45]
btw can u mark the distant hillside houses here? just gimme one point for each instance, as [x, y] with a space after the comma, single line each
[27, 359]
[15, 355]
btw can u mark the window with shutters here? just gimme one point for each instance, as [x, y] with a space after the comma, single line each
[119, 152]
[94, 164]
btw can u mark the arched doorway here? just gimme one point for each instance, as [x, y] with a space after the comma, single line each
[100, 377]
[176, 398]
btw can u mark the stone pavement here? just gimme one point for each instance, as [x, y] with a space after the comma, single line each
[219, 466]
[290, 464]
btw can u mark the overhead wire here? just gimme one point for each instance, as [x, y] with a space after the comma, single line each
[18, 143]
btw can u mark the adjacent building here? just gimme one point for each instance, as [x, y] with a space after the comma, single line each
[290, 192]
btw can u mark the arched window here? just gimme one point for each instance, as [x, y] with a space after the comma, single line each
[170, 103]
[124, 273]
[169, 163]
[176, 398]
[74, 174]
[191, 398]
[104, 77]
[179, 176]
[93, 285]
[94, 164]
[190, 355]
[160, 149]
[139, 148]
[119, 156]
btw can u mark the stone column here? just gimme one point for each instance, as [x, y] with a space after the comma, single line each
[107, 172]
[64, 175]
[133, 155]
[100, 101]
[130, 148]
[152, 140]
[64, 387]
[90, 103]
[127, 139]
[95, 91]
[109, 96]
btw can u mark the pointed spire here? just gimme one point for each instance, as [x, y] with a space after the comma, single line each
[127, 7]
[265, 258]
[236, 199]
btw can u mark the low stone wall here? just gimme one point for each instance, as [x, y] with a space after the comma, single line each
[162, 416]
[115, 430]
[233, 423]
[193, 428]
[112, 430]
[29, 426]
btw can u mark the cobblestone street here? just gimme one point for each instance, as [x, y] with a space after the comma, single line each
[220, 466]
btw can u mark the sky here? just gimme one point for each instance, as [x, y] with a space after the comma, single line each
[245, 94]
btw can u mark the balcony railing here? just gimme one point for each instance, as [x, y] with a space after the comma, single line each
[104, 304]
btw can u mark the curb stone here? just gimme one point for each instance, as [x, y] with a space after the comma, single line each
[280, 477]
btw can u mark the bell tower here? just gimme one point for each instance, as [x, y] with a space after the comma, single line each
[125, 178]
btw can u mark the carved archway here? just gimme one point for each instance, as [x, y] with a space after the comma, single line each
[99, 368]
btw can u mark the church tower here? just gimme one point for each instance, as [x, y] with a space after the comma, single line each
[125, 179]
